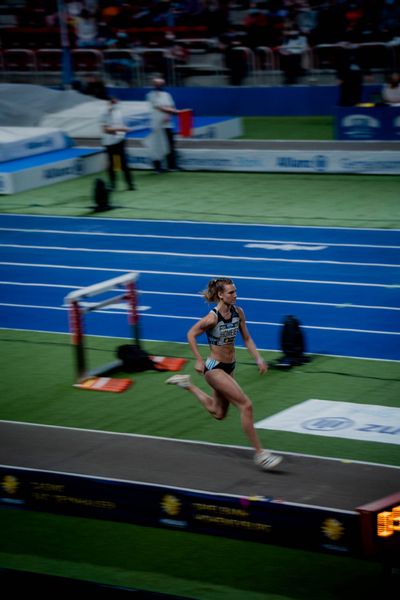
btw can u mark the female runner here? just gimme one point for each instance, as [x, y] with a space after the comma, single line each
[221, 326]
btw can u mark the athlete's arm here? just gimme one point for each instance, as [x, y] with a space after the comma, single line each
[194, 332]
[250, 345]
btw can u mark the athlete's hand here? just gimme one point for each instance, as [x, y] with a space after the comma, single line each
[262, 366]
[199, 366]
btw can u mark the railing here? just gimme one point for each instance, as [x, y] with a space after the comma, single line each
[373, 58]
[137, 67]
[156, 62]
[87, 61]
[376, 57]
[19, 64]
[245, 56]
[121, 66]
[202, 64]
[267, 65]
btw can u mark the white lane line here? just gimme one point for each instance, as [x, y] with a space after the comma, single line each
[255, 243]
[180, 317]
[205, 275]
[195, 256]
[198, 223]
[198, 296]
[112, 337]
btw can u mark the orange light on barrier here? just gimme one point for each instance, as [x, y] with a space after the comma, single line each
[385, 524]
[185, 122]
[396, 518]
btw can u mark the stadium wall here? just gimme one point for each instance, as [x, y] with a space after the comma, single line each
[253, 101]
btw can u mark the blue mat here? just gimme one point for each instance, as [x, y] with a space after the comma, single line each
[46, 158]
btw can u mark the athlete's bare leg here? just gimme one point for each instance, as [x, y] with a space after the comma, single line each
[227, 390]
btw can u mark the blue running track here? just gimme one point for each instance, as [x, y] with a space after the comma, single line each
[343, 284]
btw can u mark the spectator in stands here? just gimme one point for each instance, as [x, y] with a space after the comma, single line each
[85, 28]
[390, 17]
[104, 34]
[114, 132]
[236, 62]
[277, 15]
[74, 8]
[291, 53]
[391, 90]
[161, 142]
[330, 23]
[306, 18]
[110, 13]
[175, 50]
[120, 66]
[215, 16]
[256, 25]
[350, 76]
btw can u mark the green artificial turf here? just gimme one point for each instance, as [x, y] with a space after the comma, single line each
[38, 373]
[194, 566]
[288, 199]
[288, 128]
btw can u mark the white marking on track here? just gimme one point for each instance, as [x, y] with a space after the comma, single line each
[246, 241]
[188, 318]
[191, 255]
[205, 275]
[287, 246]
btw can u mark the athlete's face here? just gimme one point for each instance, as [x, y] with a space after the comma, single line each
[228, 295]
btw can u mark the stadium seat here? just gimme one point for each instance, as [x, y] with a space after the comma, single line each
[204, 65]
[19, 64]
[376, 58]
[156, 61]
[325, 60]
[245, 55]
[266, 65]
[87, 61]
[49, 64]
[122, 66]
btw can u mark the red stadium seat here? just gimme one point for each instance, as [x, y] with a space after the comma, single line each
[19, 64]
[87, 61]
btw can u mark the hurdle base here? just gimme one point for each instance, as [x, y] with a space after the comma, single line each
[111, 367]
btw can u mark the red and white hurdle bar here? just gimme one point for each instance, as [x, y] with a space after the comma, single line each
[77, 311]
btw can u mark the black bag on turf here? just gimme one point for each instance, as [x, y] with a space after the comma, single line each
[134, 359]
[101, 195]
[292, 343]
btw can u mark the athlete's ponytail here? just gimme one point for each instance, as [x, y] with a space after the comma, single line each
[214, 287]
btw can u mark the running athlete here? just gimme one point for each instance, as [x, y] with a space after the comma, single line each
[221, 326]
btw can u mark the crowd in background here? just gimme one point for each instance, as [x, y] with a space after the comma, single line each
[289, 27]
[95, 23]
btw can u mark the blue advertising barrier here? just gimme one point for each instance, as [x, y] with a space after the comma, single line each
[299, 100]
[254, 518]
[258, 519]
[367, 123]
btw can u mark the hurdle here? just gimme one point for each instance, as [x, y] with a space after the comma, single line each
[77, 309]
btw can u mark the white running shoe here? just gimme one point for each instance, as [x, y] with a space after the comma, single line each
[182, 381]
[267, 461]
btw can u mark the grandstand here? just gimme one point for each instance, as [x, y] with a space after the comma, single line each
[189, 43]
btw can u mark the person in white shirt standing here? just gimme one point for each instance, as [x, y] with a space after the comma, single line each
[292, 51]
[114, 131]
[161, 142]
[391, 90]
